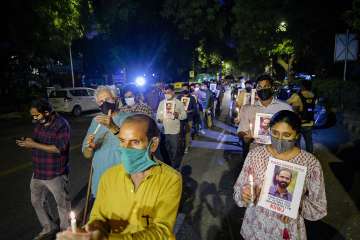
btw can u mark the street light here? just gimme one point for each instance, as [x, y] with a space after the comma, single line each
[140, 81]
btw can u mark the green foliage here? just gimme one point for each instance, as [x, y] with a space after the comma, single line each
[286, 47]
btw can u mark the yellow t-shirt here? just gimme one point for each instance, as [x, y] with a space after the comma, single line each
[150, 210]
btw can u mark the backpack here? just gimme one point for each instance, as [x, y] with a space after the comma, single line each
[307, 114]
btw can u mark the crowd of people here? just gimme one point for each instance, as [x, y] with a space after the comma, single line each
[136, 144]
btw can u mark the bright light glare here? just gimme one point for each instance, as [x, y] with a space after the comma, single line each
[140, 81]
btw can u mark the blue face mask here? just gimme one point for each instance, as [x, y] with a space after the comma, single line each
[136, 160]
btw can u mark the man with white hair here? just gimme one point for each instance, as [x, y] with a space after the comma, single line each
[101, 138]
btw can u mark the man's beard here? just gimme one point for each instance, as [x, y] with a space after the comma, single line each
[283, 184]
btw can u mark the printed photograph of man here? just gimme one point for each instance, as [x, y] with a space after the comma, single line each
[282, 180]
[264, 126]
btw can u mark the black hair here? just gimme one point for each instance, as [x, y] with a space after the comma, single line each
[42, 105]
[306, 84]
[169, 87]
[248, 82]
[284, 169]
[152, 130]
[132, 89]
[264, 77]
[288, 117]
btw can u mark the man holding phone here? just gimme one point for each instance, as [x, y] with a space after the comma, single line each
[49, 146]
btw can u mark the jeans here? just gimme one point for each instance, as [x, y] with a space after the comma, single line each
[171, 144]
[59, 188]
[306, 132]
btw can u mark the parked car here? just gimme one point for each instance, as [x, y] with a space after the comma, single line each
[73, 100]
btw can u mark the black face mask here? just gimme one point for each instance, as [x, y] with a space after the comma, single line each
[265, 94]
[106, 106]
[248, 89]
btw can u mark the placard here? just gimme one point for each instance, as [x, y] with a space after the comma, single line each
[185, 101]
[283, 187]
[169, 109]
[262, 128]
[212, 87]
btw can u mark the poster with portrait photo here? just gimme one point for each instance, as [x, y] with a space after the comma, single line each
[212, 87]
[262, 128]
[169, 109]
[283, 187]
[185, 101]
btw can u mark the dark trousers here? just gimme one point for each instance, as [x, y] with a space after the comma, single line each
[306, 132]
[171, 144]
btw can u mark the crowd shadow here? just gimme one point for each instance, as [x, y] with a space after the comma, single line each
[348, 171]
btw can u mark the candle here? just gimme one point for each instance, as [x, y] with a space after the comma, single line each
[251, 128]
[97, 129]
[251, 182]
[73, 222]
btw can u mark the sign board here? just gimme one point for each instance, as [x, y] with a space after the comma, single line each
[191, 74]
[346, 47]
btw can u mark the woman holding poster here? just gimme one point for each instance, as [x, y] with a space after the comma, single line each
[280, 184]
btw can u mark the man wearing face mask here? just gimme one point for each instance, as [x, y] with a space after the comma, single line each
[101, 141]
[133, 104]
[49, 147]
[139, 198]
[171, 122]
[190, 108]
[267, 103]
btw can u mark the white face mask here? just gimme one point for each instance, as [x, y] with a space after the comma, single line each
[168, 96]
[130, 101]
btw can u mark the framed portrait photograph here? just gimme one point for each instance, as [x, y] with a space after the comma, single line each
[169, 109]
[212, 87]
[283, 187]
[262, 128]
[185, 101]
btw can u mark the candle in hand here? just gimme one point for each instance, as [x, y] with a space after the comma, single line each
[73, 222]
[251, 183]
[251, 128]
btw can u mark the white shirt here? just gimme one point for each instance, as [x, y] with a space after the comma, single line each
[171, 126]
[248, 112]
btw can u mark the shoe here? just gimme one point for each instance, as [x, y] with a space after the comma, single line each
[202, 132]
[46, 235]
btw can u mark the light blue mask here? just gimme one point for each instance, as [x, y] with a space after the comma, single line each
[136, 160]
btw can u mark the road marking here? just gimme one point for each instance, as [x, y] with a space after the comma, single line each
[26, 165]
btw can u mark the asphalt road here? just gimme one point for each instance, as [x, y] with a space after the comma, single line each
[18, 219]
[209, 172]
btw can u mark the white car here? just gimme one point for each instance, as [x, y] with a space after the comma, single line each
[73, 100]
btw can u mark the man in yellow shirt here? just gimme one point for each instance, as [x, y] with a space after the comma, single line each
[138, 199]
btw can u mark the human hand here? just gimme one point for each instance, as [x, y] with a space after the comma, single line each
[105, 120]
[176, 115]
[81, 234]
[246, 194]
[91, 141]
[26, 143]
